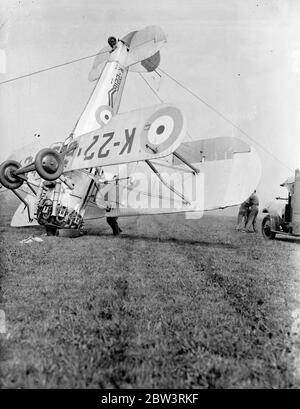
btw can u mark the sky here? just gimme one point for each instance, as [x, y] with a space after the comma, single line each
[242, 57]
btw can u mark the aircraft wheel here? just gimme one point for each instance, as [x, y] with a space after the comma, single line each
[49, 164]
[7, 177]
[266, 229]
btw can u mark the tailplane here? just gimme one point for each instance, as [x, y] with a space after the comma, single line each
[143, 52]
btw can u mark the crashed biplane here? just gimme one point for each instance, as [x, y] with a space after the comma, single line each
[126, 164]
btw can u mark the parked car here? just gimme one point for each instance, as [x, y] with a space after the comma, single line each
[288, 222]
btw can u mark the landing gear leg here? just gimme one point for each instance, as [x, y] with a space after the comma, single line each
[112, 221]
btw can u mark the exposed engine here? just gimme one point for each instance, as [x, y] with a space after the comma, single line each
[60, 217]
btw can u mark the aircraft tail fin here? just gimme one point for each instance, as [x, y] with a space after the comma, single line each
[148, 65]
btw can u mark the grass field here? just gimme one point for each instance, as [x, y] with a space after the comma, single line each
[172, 303]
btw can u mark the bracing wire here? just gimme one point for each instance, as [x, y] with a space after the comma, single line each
[159, 98]
[152, 89]
[48, 68]
[228, 120]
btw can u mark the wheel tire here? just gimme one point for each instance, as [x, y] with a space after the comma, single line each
[49, 164]
[266, 229]
[7, 178]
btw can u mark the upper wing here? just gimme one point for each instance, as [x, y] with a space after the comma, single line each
[231, 169]
[26, 154]
[228, 176]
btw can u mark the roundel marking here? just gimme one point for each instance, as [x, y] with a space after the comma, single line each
[162, 129]
[103, 114]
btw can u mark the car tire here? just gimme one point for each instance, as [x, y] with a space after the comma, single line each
[267, 233]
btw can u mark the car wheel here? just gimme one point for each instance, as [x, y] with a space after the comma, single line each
[266, 229]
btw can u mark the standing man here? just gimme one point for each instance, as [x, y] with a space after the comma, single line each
[243, 214]
[251, 223]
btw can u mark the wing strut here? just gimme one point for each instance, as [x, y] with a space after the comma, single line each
[185, 201]
[195, 170]
[23, 177]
